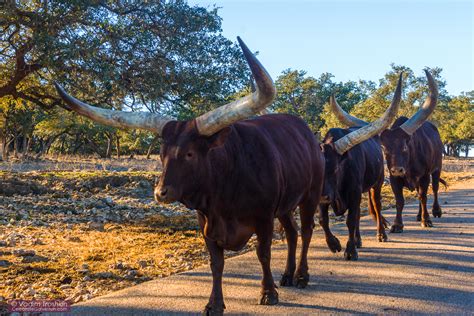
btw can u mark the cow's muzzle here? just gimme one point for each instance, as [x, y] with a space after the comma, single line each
[397, 171]
[325, 199]
[164, 194]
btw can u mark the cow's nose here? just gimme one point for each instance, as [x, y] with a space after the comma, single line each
[325, 199]
[397, 171]
[163, 192]
[160, 193]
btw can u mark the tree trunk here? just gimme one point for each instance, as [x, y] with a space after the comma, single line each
[15, 146]
[117, 145]
[8, 144]
[152, 145]
[26, 147]
[108, 151]
[2, 149]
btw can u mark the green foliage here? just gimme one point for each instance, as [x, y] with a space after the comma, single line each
[161, 56]
[455, 120]
[306, 96]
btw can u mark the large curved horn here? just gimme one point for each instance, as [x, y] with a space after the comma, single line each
[213, 121]
[344, 117]
[143, 120]
[356, 137]
[425, 111]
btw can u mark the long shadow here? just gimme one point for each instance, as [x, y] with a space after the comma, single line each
[338, 285]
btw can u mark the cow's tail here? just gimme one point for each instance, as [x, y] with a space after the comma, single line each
[444, 183]
[386, 223]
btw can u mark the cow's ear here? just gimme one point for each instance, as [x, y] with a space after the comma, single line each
[219, 138]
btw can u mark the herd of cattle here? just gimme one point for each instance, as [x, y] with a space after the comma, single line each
[240, 171]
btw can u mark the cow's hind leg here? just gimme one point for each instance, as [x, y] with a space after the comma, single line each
[375, 207]
[358, 238]
[307, 211]
[435, 184]
[216, 301]
[289, 225]
[333, 243]
[418, 216]
[264, 230]
[422, 195]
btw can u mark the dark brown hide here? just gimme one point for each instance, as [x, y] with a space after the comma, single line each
[412, 161]
[239, 180]
[347, 176]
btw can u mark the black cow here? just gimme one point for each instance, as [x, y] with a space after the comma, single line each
[354, 164]
[238, 175]
[413, 150]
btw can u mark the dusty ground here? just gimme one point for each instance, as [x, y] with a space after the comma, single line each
[424, 271]
[90, 227]
[77, 234]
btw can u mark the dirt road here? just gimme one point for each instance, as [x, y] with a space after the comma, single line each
[419, 271]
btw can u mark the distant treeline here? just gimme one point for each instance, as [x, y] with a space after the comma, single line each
[164, 57]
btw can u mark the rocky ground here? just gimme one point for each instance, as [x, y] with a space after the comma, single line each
[75, 234]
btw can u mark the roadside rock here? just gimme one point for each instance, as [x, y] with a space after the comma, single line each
[23, 253]
[103, 275]
[35, 258]
[96, 226]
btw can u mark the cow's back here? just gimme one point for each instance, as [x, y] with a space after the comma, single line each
[280, 160]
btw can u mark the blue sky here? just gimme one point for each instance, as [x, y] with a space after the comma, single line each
[356, 39]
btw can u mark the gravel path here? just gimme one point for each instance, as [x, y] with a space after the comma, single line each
[421, 271]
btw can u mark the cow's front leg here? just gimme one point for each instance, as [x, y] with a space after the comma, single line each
[352, 223]
[333, 243]
[216, 304]
[264, 230]
[422, 195]
[397, 188]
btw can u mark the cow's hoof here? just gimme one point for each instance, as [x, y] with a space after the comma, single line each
[358, 243]
[351, 252]
[437, 213]
[333, 244]
[418, 218]
[351, 255]
[382, 237]
[286, 280]
[301, 281]
[213, 309]
[396, 228]
[427, 223]
[269, 297]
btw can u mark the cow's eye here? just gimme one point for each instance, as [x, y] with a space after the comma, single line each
[189, 155]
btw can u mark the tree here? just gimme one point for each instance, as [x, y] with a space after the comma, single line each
[306, 96]
[161, 56]
[455, 120]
